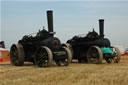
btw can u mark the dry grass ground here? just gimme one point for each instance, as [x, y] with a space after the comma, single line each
[74, 74]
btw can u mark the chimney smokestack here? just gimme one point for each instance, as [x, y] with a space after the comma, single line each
[101, 28]
[50, 22]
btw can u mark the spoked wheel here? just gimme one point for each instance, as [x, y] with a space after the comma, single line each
[17, 55]
[108, 58]
[94, 55]
[116, 55]
[43, 57]
[67, 60]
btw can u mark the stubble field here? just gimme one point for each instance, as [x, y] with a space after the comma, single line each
[74, 74]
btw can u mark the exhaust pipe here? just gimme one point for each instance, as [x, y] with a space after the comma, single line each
[101, 28]
[50, 22]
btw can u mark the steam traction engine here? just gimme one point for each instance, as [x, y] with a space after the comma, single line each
[41, 49]
[93, 48]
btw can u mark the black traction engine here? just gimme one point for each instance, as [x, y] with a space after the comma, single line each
[93, 47]
[41, 49]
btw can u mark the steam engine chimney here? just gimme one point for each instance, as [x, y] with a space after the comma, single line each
[101, 28]
[50, 22]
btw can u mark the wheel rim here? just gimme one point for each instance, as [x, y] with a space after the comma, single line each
[94, 55]
[42, 58]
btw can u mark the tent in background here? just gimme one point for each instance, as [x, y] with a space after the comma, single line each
[4, 55]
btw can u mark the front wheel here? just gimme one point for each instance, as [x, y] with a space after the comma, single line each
[116, 55]
[69, 46]
[67, 60]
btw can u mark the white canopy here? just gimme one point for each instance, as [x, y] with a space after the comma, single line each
[3, 49]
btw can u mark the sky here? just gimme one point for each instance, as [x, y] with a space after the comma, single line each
[73, 17]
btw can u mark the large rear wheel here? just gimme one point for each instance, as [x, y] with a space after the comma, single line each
[66, 61]
[94, 55]
[43, 57]
[17, 55]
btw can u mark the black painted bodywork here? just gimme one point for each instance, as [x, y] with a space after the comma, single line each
[81, 44]
[43, 38]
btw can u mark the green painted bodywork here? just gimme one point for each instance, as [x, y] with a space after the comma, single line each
[107, 50]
